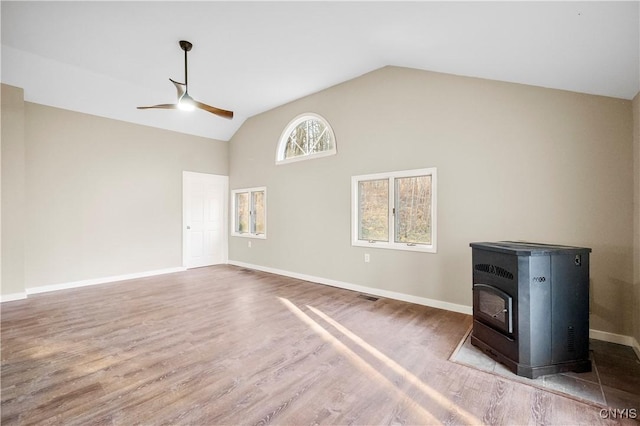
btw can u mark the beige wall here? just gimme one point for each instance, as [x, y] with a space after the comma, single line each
[636, 174]
[13, 202]
[104, 197]
[514, 162]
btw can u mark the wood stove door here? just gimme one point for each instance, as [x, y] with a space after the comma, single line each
[493, 307]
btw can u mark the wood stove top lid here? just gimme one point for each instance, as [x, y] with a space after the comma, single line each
[525, 248]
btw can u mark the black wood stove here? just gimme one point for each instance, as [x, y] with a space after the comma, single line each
[531, 306]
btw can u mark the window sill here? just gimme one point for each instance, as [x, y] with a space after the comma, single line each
[247, 235]
[306, 157]
[396, 246]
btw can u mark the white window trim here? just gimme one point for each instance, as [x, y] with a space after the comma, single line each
[251, 215]
[282, 142]
[391, 244]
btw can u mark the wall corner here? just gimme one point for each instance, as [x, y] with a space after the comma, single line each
[636, 215]
[12, 192]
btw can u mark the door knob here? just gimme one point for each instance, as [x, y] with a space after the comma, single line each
[188, 227]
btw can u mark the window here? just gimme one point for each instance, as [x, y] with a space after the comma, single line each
[307, 136]
[395, 210]
[249, 212]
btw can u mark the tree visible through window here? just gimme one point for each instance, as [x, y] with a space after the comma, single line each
[259, 225]
[307, 136]
[242, 212]
[395, 210]
[413, 210]
[373, 202]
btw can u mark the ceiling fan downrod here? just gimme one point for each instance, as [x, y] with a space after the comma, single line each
[186, 46]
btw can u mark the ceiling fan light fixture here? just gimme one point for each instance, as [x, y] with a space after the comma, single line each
[186, 103]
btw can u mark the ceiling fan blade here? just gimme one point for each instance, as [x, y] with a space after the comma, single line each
[161, 106]
[180, 87]
[213, 110]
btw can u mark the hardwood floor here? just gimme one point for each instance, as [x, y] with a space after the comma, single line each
[224, 345]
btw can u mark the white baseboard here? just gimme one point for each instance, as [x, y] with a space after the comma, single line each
[104, 280]
[620, 339]
[362, 289]
[13, 296]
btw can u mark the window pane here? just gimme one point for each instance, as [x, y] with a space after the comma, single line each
[318, 135]
[413, 210]
[309, 137]
[296, 142]
[373, 206]
[258, 212]
[242, 212]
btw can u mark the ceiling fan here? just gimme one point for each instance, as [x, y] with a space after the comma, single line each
[186, 102]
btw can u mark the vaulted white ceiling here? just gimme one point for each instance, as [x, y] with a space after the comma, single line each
[106, 58]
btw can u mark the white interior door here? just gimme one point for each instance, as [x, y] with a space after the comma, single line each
[204, 231]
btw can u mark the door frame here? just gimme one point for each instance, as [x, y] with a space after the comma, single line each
[224, 180]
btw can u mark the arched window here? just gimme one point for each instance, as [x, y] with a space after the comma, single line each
[307, 136]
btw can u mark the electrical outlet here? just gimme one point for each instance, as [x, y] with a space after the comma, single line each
[249, 244]
[366, 258]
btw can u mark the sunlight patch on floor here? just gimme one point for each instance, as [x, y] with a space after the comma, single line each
[360, 363]
[424, 388]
